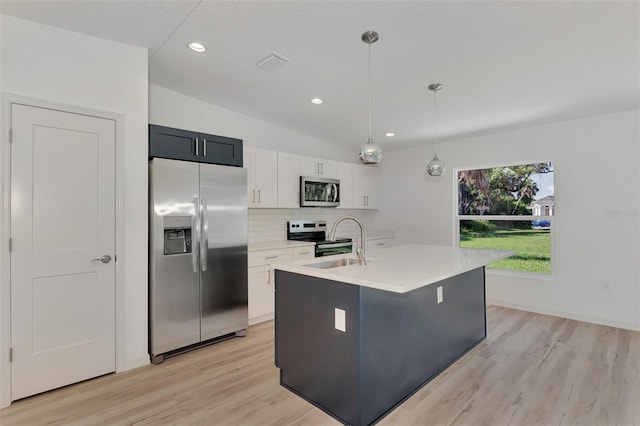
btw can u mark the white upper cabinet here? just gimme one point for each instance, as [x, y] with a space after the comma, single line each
[273, 179]
[365, 181]
[343, 174]
[288, 180]
[262, 177]
[310, 166]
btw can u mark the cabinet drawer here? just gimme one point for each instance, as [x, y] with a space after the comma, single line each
[304, 253]
[376, 244]
[381, 243]
[266, 257]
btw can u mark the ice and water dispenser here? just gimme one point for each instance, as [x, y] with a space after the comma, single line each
[177, 234]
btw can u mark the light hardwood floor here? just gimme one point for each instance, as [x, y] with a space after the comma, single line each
[531, 370]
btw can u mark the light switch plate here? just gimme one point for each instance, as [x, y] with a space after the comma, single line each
[439, 291]
[340, 320]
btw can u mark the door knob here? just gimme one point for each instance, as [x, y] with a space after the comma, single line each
[104, 259]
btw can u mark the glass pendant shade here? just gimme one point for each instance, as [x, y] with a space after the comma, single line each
[436, 166]
[370, 153]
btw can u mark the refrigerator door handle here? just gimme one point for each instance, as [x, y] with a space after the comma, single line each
[204, 240]
[195, 234]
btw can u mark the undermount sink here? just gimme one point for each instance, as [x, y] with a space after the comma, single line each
[334, 263]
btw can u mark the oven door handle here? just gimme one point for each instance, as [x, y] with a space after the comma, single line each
[335, 245]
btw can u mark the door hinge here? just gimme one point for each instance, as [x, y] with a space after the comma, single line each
[10, 244]
[11, 135]
[10, 354]
[115, 257]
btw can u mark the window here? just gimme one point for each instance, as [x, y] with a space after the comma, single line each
[509, 208]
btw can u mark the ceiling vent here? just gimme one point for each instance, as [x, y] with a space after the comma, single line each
[271, 61]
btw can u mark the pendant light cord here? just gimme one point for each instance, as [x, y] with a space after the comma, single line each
[435, 123]
[369, 84]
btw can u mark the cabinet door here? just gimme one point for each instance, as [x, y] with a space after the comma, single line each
[261, 297]
[176, 144]
[266, 178]
[371, 185]
[311, 166]
[288, 180]
[250, 164]
[328, 168]
[365, 194]
[343, 174]
[262, 177]
[220, 150]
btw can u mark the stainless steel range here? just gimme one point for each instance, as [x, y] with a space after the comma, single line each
[315, 231]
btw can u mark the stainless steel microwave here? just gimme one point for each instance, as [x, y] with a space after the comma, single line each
[319, 192]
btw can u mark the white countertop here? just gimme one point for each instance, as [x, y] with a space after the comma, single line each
[277, 244]
[401, 269]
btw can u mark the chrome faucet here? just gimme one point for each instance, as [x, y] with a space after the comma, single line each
[359, 249]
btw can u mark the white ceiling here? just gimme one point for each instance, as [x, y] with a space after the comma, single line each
[503, 64]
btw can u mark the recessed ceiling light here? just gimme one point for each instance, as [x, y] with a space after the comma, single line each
[316, 101]
[389, 134]
[197, 47]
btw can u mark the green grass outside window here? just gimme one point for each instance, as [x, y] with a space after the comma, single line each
[532, 246]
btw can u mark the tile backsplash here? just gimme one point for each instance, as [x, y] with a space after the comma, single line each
[271, 224]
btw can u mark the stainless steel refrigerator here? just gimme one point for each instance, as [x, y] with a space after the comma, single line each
[197, 254]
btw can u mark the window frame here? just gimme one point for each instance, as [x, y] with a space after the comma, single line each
[457, 218]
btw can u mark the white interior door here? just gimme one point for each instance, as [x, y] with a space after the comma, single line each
[63, 245]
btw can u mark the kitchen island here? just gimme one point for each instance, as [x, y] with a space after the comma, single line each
[357, 340]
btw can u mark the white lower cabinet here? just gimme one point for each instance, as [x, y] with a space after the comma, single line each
[261, 278]
[303, 253]
[260, 293]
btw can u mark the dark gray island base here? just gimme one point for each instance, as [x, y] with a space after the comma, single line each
[393, 343]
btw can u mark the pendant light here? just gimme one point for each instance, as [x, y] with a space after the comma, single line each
[370, 153]
[436, 166]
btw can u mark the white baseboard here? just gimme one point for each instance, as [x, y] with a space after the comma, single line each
[261, 318]
[584, 318]
[136, 362]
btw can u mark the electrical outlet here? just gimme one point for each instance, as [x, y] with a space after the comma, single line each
[340, 319]
[605, 286]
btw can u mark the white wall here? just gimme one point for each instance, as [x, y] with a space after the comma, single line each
[60, 66]
[596, 228]
[172, 109]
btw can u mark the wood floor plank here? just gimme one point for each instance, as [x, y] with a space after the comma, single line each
[531, 370]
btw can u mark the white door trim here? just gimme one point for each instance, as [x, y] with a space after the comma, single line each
[5, 227]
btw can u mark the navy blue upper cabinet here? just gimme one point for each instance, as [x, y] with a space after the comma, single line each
[220, 150]
[177, 144]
